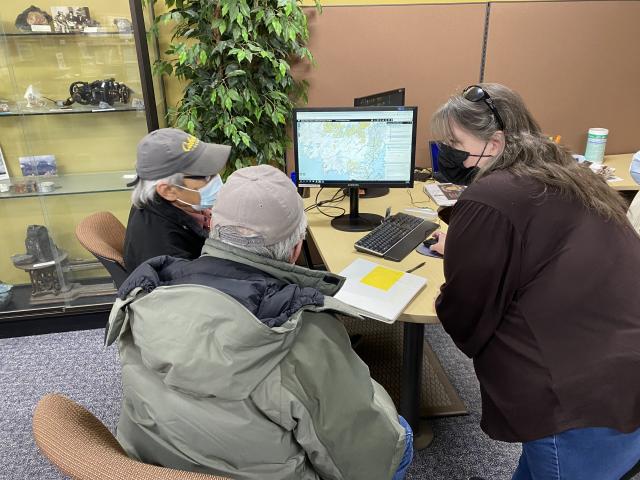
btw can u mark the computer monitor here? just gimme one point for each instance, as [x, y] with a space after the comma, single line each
[391, 98]
[355, 147]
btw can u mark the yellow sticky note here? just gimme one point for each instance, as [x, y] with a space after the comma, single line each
[382, 278]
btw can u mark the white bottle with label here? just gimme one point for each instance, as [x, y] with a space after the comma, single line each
[634, 168]
[596, 143]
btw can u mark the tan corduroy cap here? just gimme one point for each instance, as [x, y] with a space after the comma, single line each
[257, 206]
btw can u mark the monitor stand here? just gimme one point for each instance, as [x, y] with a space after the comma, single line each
[374, 192]
[355, 221]
[370, 192]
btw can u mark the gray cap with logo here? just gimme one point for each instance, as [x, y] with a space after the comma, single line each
[257, 206]
[168, 151]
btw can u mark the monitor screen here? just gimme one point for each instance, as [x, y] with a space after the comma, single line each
[372, 146]
[392, 98]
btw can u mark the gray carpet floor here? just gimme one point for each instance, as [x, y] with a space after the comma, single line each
[77, 365]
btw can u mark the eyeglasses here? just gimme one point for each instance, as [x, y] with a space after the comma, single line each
[476, 93]
[199, 177]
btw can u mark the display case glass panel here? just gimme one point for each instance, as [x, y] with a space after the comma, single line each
[72, 109]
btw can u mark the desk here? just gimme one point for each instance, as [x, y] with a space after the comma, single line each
[336, 249]
[621, 163]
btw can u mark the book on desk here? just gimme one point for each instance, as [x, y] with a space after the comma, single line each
[444, 194]
[378, 292]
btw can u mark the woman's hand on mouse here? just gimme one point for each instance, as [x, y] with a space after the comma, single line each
[439, 247]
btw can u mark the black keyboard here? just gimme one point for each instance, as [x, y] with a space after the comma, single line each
[396, 237]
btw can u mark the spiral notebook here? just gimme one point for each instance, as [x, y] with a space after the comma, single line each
[378, 292]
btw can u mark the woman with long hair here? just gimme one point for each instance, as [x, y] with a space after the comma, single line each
[542, 274]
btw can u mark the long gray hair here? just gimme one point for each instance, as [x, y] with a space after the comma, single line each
[527, 152]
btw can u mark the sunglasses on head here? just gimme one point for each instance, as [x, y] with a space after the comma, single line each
[476, 93]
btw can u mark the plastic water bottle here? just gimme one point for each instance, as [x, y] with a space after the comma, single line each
[596, 143]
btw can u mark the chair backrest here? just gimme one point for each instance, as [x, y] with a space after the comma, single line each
[83, 448]
[103, 235]
[634, 212]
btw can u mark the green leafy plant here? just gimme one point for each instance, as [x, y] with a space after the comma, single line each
[235, 57]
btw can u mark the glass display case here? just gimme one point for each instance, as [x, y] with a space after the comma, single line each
[76, 96]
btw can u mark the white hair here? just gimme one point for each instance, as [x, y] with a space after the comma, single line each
[145, 190]
[278, 251]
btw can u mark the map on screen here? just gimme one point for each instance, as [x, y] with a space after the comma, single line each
[354, 146]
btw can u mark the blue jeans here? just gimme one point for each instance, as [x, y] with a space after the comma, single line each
[408, 451]
[579, 454]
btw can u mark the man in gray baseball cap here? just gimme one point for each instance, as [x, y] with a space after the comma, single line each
[236, 364]
[176, 185]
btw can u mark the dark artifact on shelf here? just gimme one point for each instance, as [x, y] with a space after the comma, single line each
[39, 244]
[48, 267]
[5, 294]
[108, 91]
[43, 261]
[32, 16]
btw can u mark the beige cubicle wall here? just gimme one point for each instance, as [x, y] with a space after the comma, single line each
[431, 50]
[577, 65]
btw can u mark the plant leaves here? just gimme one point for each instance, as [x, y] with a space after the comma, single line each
[234, 59]
[277, 27]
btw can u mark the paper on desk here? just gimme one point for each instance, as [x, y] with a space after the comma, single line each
[378, 292]
[382, 278]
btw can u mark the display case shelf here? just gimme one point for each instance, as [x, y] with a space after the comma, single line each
[70, 111]
[73, 184]
[61, 34]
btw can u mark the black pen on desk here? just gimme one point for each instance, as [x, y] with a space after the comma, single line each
[415, 268]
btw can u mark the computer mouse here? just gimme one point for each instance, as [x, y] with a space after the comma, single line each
[430, 241]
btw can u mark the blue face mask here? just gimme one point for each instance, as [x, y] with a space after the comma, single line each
[634, 169]
[208, 194]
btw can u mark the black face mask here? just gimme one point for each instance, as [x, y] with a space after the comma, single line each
[451, 164]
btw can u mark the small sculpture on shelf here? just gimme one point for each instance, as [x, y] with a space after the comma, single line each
[72, 19]
[137, 103]
[123, 25]
[108, 91]
[39, 245]
[48, 267]
[43, 260]
[33, 98]
[32, 16]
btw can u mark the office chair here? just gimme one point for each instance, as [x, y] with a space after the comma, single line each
[82, 448]
[103, 235]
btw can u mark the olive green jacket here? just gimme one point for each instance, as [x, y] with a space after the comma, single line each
[208, 387]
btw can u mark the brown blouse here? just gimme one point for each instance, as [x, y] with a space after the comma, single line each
[544, 295]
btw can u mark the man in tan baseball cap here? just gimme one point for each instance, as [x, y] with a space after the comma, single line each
[236, 364]
[176, 185]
